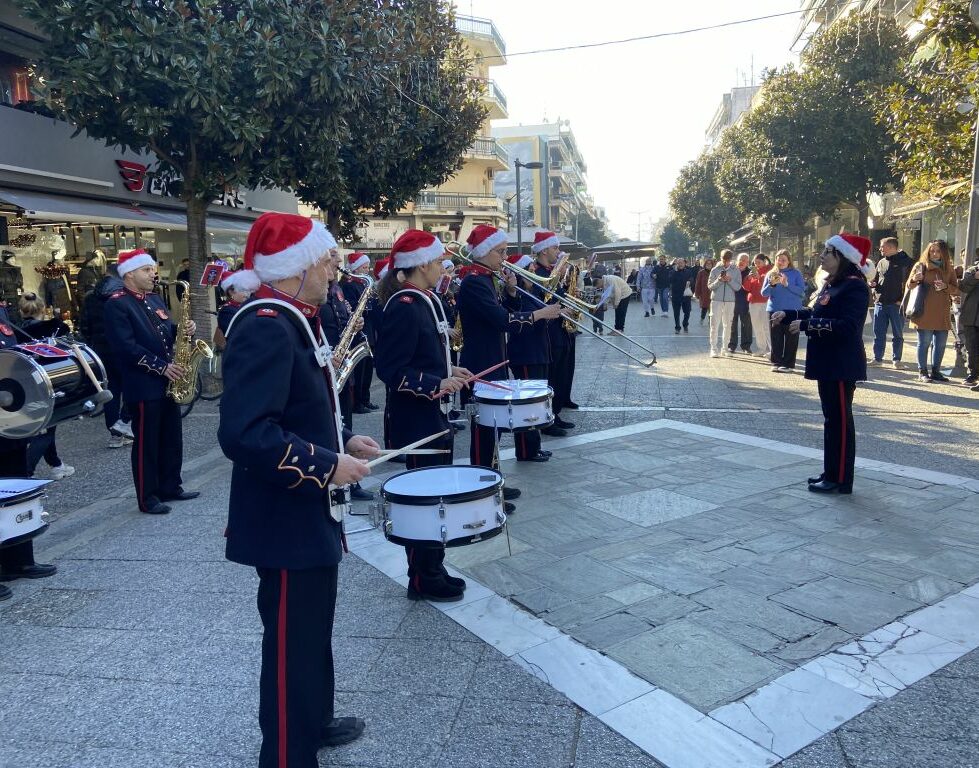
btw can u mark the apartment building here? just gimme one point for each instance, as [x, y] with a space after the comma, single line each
[554, 195]
[733, 104]
[819, 14]
[468, 198]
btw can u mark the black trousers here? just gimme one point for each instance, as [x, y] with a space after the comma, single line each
[117, 409]
[558, 376]
[839, 440]
[527, 444]
[363, 376]
[620, 311]
[970, 345]
[785, 345]
[296, 685]
[13, 463]
[598, 327]
[158, 450]
[681, 303]
[346, 398]
[742, 322]
[425, 560]
[43, 446]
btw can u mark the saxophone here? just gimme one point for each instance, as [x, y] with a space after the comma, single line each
[345, 358]
[457, 343]
[188, 354]
[571, 291]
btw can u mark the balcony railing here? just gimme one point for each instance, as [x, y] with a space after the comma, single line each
[469, 25]
[454, 201]
[493, 92]
[487, 147]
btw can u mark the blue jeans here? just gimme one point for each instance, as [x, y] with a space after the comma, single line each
[938, 351]
[888, 315]
[664, 297]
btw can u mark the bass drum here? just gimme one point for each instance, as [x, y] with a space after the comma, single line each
[43, 384]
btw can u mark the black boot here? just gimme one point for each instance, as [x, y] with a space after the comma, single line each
[937, 375]
[437, 590]
[923, 375]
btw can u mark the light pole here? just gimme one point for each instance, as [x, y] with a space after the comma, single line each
[972, 230]
[517, 166]
[638, 215]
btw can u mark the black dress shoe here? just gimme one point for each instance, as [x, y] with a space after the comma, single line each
[554, 431]
[814, 480]
[509, 494]
[538, 457]
[509, 508]
[453, 581]
[372, 407]
[571, 406]
[356, 492]
[341, 730]
[159, 508]
[827, 486]
[562, 424]
[181, 495]
[435, 590]
[360, 409]
[5, 593]
[542, 452]
[35, 571]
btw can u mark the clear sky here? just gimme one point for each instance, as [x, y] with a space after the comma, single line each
[638, 110]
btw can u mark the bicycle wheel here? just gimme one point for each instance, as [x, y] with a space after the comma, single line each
[215, 387]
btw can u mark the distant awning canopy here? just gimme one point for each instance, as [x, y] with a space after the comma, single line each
[920, 206]
[745, 233]
[528, 234]
[43, 207]
[624, 246]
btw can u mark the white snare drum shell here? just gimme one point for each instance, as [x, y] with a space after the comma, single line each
[21, 519]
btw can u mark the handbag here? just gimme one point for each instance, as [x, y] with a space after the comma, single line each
[687, 292]
[914, 301]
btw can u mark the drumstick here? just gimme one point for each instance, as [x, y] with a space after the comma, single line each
[415, 452]
[473, 377]
[494, 384]
[407, 448]
[99, 390]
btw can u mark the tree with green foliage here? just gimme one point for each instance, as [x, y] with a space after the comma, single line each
[697, 204]
[590, 231]
[675, 241]
[935, 139]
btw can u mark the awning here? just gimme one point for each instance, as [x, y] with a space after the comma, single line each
[71, 210]
[624, 246]
[912, 209]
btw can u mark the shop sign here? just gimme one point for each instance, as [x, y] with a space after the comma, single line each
[135, 175]
[912, 224]
[379, 234]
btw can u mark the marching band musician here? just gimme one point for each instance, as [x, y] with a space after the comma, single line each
[17, 561]
[446, 289]
[360, 264]
[546, 249]
[142, 334]
[485, 321]
[279, 426]
[529, 352]
[413, 361]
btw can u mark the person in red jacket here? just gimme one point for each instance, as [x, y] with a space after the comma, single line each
[758, 305]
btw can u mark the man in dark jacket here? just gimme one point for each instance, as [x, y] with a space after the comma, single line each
[887, 285]
[742, 316]
[662, 271]
[969, 320]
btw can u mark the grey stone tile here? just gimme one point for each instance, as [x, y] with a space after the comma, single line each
[502, 580]
[619, 549]
[541, 600]
[634, 593]
[51, 650]
[631, 460]
[952, 564]
[561, 550]
[815, 645]
[742, 607]
[755, 582]
[695, 663]
[49, 607]
[853, 607]
[664, 608]
[601, 747]
[582, 611]
[499, 679]
[377, 617]
[580, 576]
[652, 507]
[673, 578]
[751, 637]
[928, 589]
[602, 633]
[428, 668]
[528, 560]
[487, 551]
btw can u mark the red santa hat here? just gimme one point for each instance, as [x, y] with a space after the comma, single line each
[231, 281]
[282, 245]
[357, 260]
[484, 239]
[130, 260]
[521, 260]
[543, 240]
[854, 248]
[381, 268]
[415, 248]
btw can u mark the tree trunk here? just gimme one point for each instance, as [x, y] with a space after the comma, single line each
[800, 245]
[863, 213]
[200, 299]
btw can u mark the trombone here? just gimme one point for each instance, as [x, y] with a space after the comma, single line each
[573, 303]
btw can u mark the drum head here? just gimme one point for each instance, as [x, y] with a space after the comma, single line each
[452, 484]
[520, 390]
[33, 396]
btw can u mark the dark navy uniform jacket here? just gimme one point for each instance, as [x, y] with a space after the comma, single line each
[140, 332]
[225, 313]
[334, 314]
[411, 360]
[8, 336]
[485, 321]
[834, 325]
[529, 344]
[278, 427]
[559, 337]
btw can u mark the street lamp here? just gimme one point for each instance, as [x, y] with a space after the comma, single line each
[517, 166]
[972, 230]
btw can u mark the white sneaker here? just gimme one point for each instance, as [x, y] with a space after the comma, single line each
[122, 428]
[62, 471]
[118, 441]
[714, 354]
[897, 365]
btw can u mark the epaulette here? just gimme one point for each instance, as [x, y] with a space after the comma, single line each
[117, 294]
[267, 312]
[407, 299]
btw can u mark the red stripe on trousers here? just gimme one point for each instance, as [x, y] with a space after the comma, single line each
[139, 456]
[281, 668]
[842, 433]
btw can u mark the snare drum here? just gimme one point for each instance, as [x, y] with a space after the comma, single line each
[44, 384]
[21, 515]
[450, 505]
[525, 405]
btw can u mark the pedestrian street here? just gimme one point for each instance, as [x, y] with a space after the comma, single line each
[667, 593]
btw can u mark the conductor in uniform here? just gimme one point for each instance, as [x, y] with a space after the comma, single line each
[280, 425]
[141, 333]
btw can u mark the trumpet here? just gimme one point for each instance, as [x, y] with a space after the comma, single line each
[575, 304]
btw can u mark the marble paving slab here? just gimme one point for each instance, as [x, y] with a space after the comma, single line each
[652, 507]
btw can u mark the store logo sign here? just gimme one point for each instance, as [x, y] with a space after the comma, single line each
[133, 175]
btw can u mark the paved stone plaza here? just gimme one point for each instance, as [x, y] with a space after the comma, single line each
[667, 582]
